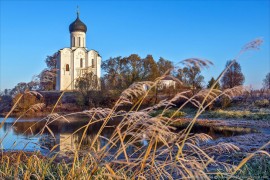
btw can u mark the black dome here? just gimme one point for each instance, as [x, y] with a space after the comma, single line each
[77, 25]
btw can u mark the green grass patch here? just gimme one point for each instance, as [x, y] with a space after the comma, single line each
[256, 168]
[237, 115]
[168, 113]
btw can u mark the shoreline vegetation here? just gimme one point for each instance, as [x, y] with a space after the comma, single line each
[167, 154]
[253, 112]
[257, 169]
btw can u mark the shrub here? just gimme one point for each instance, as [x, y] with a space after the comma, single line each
[26, 101]
[262, 103]
[225, 102]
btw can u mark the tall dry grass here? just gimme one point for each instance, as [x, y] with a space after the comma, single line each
[168, 154]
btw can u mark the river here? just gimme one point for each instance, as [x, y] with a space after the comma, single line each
[30, 134]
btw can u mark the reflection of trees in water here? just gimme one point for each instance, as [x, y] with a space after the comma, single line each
[28, 128]
[214, 132]
[68, 140]
[64, 134]
[55, 127]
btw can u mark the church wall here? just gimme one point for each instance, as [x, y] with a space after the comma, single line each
[86, 59]
[78, 55]
[95, 62]
[98, 66]
[58, 74]
[72, 58]
[92, 59]
[66, 69]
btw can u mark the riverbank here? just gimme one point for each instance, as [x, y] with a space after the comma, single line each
[34, 163]
[40, 114]
[53, 166]
[248, 135]
[248, 142]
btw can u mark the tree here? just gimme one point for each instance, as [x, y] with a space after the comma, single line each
[47, 78]
[266, 81]
[191, 76]
[6, 92]
[133, 69]
[121, 72]
[233, 76]
[211, 82]
[164, 65]
[19, 88]
[34, 84]
[26, 101]
[85, 84]
[113, 68]
[51, 61]
[5, 102]
[150, 69]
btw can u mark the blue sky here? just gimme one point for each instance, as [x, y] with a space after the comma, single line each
[175, 30]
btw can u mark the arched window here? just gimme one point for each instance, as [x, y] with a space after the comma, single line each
[67, 67]
[81, 62]
[93, 63]
[79, 41]
[73, 43]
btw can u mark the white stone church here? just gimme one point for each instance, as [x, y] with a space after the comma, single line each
[74, 61]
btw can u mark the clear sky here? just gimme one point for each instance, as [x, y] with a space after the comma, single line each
[175, 30]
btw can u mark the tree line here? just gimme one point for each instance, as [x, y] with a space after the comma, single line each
[120, 72]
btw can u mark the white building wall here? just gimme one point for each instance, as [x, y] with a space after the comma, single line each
[58, 72]
[65, 73]
[167, 84]
[98, 66]
[79, 54]
[95, 61]
[77, 39]
[91, 56]
[65, 80]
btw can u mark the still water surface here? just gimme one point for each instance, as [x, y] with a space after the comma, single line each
[20, 137]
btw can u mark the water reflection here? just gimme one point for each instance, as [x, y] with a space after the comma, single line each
[25, 135]
[222, 131]
[21, 137]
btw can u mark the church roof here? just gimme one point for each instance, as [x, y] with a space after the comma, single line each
[168, 78]
[77, 25]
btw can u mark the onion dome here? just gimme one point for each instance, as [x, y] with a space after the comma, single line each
[77, 25]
